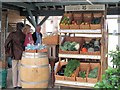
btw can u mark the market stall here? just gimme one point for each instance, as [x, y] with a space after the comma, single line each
[83, 40]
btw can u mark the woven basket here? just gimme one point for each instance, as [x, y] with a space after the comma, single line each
[72, 39]
[51, 40]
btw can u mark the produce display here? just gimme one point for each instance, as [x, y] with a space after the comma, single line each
[71, 67]
[82, 74]
[81, 21]
[96, 20]
[62, 70]
[93, 73]
[91, 46]
[65, 20]
[70, 46]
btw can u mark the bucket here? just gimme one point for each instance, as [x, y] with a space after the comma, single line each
[34, 70]
[3, 78]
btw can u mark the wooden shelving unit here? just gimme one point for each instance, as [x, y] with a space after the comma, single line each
[97, 33]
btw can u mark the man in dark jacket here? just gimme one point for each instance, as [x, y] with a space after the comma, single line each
[16, 39]
[37, 36]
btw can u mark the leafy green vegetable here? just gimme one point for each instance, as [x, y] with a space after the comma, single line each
[82, 74]
[70, 46]
[70, 67]
[93, 73]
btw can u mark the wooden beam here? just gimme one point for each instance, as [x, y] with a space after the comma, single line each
[31, 15]
[36, 19]
[44, 13]
[30, 20]
[6, 6]
[45, 18]
[21, 5]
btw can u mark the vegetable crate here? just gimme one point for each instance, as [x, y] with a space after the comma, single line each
[59, 77]
[97, 21]
[93, 77]
[73, 26]
[65, 21]
[82, 72]
[51, 40]
[94, 43]
[84, 26]
[71, 39]
[71, 70]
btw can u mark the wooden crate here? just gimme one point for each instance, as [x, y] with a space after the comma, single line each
[77, 15]
[83, 67]
[90, 53]
[69, 78]
[68, 15]
[73, 76]
[51, 40]
[73, 26]
[63, 26]
[84, 26]
[97, 14]
[87, 17]
[92, 66]
[72, 39]
[58, 77]
[95, 26]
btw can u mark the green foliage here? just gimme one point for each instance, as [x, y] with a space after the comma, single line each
[69, 46]
[111, 78]
[93, 73]
[115, 57]
[70, 67]
[82, 74]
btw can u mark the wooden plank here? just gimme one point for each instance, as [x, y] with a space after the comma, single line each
[80, 56]
[74, 84]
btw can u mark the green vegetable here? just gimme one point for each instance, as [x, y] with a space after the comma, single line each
[70, 67]
[93, 73]
[82, 74]
[70, 46]
[111, 78]
[96, 20]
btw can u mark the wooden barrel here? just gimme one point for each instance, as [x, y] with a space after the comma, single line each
[34, 70]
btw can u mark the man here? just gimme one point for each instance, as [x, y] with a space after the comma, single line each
[37, 36]
[17, 40]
